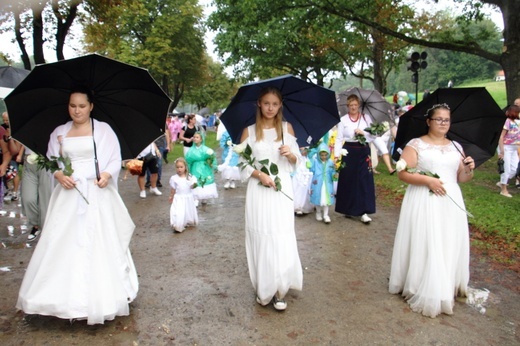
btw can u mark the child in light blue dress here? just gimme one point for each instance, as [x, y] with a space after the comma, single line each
[322, 191]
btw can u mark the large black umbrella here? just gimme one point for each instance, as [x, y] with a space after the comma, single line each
[311, 109]
[476, 121]
[125, 96]
[372, 104]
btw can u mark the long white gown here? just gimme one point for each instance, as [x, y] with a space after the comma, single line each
[82, 267]
[430, 262]
[271, 248]
[183, 211]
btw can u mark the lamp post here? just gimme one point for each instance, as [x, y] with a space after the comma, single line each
[417, 63]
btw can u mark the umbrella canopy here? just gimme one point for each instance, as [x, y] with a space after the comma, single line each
[311, 109]
[4, 92]
[10, 76]
[125, 96]
[476, 121]
[372, 104]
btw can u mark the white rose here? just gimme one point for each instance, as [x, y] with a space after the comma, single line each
[344, 152]
[386, 126]
[229, 143]
[32, 159]
[209, 151]
[239, 149]
[400, 165]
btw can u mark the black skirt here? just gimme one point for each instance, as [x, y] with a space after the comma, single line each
[356, 192]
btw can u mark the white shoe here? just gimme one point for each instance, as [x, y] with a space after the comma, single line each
[155, 191]
[279, 304]
[142, 194]
[326, 219]
[318, 216]
[232, 184]
[226, 185]
[196, 203]
[365, 219]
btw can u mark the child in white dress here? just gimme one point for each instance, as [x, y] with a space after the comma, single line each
[301, 180]
[183, 211]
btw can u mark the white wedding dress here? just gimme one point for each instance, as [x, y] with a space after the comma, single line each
[82, 267]
[430, 262]
[271, 248]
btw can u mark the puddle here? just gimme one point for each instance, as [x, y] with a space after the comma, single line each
[477, 299]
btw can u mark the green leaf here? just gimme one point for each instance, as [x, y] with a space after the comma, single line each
[274, 169]
[264, 170]
[278, 183]
[264, 162]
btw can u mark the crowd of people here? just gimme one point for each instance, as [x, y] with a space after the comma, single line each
[89, 248]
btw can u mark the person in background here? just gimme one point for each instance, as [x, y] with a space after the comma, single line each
[150, 156]
[508, 145]
[81, 268]
[36, 193]
[356, 191]
[163, 145]
[517, 103]
[430, 260]
[301, 181]
[322, 190]
[271, 248]
[202, 163]
[15, 148]
[187, 132]
[183, 211]
[229, 167]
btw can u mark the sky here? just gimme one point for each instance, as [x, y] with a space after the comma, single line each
[7, 46]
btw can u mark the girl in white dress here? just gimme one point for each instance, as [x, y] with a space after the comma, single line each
[272, 252]
[82, 267]
[183, 211]
[430, 261]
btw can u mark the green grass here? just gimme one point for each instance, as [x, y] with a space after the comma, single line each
[495, 227]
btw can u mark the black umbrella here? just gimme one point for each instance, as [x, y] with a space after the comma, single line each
[476, 121]
[372, 104]
[125, 96]
[311, 109]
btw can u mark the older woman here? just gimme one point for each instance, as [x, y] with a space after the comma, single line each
[82, 267]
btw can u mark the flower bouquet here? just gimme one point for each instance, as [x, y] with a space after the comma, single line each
[377, 129]
[402, 165]
[53, 165]
[270, 168]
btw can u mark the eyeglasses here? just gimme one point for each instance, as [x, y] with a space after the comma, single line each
[441, 121]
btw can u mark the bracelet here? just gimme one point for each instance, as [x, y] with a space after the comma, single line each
[259, 174]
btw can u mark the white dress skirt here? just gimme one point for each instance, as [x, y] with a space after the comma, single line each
[82, 267]
[183, 211]
[430, 261]
[271, 248]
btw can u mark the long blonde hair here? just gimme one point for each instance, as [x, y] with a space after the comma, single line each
[277, 120]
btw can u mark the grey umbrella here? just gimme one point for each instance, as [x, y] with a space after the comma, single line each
[372, 104]
[10, 76]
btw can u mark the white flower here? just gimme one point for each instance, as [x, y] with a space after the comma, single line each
[239, 149]
[344, 152]
[209, 151]
[386, 126]
[229, 143]
[400, 165]
[32, 159]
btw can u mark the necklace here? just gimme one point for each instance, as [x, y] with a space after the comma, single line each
[353, 120]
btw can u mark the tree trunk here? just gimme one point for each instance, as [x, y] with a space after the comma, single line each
[378, 58]
[18, 34]
[39, 57]
[510, 59]
[63, 26]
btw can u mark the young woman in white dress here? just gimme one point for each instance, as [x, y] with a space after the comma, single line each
[82, 267]
[430, 261]
[272, 252]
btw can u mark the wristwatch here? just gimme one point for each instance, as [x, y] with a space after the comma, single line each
[7, 138]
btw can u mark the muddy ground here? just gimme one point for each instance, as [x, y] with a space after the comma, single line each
[195, 288]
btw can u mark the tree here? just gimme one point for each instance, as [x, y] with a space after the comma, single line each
[164, 36]
[29, 20]
[507, 58]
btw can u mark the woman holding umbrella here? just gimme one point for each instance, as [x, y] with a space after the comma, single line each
[272, 252]
[82, 267]
[430, 261]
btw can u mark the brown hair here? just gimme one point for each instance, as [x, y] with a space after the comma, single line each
[277, 120]
[353, 97]
[512, 112]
